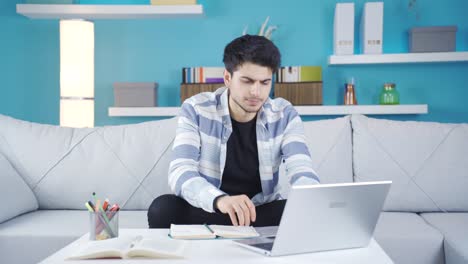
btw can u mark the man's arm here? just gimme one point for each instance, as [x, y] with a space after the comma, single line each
[295, 152]
[184, 178]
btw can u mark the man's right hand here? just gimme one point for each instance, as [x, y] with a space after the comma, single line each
[240, 208]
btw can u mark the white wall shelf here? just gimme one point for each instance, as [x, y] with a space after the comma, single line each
[362, 109]
[431, 57]
[49, 11]
[302, 110]
[143, 111]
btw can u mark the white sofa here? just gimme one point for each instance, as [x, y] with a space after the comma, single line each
[48, 172]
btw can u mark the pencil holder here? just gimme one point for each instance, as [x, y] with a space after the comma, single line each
[103, 225]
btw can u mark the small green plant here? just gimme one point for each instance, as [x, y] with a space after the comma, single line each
[264, 31]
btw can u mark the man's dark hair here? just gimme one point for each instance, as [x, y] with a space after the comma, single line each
[254, 49]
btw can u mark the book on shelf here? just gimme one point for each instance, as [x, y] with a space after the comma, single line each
[299, 74]
[125, 247]
[173, 2]
[289, 74]
[211, 231]
[203, 75]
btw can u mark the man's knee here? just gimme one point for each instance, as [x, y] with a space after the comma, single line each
[164, 210]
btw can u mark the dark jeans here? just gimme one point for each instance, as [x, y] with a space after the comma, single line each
[170, 209]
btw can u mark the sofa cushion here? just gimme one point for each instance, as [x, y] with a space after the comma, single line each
[427, 162]
[16, 196]
[44, 232]
[329, 143]
[454, 227]
[407, 238]
[128, 163]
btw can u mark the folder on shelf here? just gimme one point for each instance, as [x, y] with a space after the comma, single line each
[292, 74]
[372, 28]
[343, 29]
[310, 74]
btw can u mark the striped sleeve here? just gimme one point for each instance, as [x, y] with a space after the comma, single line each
[184, 177]
[295, 152]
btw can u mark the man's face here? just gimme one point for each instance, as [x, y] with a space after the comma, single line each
[249, 87]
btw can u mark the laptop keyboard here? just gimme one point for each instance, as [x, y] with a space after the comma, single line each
[265, 246]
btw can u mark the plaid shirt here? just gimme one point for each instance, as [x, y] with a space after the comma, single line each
[199, 149]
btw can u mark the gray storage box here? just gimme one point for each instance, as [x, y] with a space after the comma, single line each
[432, 39]
[138, 94]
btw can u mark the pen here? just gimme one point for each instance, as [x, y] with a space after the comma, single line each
[90, 208]
[98, 205]
[102, 221]
[211, 230]
[103, 212]
[114, 208]
[105, 204]
[104, 216]
[92, 205]
[105, 221]
[94, 197]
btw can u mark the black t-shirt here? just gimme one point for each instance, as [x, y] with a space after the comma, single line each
[241, 174]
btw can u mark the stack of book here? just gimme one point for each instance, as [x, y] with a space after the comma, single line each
[300, 85]
[200, 79]
[173, 2]
[203, 75]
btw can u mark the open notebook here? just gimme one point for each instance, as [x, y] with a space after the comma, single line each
[130, 247]
[211, 231]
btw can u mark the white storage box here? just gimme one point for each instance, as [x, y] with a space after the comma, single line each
[343, 29]
[372, 28]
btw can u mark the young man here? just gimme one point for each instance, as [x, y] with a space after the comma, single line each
[229, 145]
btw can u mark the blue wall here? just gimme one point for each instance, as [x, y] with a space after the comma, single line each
[156, 50]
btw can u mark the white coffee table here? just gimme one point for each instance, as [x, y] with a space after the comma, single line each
[225, 251]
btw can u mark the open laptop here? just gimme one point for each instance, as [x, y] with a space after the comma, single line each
[324, 217]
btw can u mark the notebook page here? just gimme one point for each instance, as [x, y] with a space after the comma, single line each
[234, 231]
[113, 247]
[190, 232]
[158, 248]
